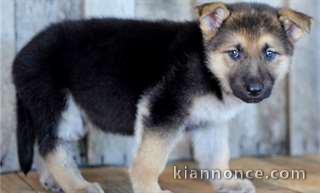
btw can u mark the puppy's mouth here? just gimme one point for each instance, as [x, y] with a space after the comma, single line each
[249, 98]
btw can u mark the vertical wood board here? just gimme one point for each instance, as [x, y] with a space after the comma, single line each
[304, 86]
[8, 156]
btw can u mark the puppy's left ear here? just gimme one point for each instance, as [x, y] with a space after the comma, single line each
[211, 17]
[295, 23]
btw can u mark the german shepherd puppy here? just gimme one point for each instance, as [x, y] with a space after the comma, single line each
[155, 80]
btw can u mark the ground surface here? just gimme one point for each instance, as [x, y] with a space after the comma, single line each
[115, 180]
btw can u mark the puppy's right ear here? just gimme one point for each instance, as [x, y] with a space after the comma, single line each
[211, 17]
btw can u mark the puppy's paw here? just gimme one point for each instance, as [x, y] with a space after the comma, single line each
[234, 186]
[91, 188]
[48, 183]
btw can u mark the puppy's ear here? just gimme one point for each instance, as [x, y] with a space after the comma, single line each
[211, 17]
[295, 23]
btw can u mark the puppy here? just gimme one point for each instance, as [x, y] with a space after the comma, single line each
[155, 80]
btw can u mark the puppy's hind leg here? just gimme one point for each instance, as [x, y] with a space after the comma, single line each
[64, 170]
[54, 147]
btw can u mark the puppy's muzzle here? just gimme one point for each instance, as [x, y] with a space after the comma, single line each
[251, 91]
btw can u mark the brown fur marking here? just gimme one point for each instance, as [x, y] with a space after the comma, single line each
[301, 20]
[67, 175]
[208, 10]
[149, 162]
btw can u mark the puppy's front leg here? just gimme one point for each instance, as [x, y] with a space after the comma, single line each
[150, 160]
[211, 151]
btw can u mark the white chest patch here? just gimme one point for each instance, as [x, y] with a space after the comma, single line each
[70, 126]
[209, 109]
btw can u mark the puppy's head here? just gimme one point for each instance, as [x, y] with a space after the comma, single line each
[249, 46]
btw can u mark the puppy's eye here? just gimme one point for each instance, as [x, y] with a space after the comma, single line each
[270, 54]
[234, 54]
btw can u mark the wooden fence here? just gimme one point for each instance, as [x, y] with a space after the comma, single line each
[288, 123]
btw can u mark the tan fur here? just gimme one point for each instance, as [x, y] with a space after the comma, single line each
[222, 66]
[296, 23]
[149, 162]
[301, 20]
[207, 8]
[267, 38]
[151, 153]
[62, 167]
[204, 11]
[280, 66]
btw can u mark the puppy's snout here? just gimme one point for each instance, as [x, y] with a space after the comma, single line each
[251, 89]
[254, 88]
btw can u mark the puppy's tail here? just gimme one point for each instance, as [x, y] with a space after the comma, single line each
[25, 137]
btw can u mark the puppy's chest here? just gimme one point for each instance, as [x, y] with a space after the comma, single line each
[210, 110]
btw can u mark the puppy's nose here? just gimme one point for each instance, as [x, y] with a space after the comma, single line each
[254, 88]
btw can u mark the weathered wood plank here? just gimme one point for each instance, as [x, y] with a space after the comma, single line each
[116, 180]
[202, 186]
[8, 156]
[12, 183]
[264, 187]
[312, 158]
[309, 185]
[109, 8]
[179, 10]
[32, 179]
[304, 86]
[33, 15]
[111, 179]
[310, 166]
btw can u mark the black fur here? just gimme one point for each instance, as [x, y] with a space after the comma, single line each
[25, 137]
[107, 65]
